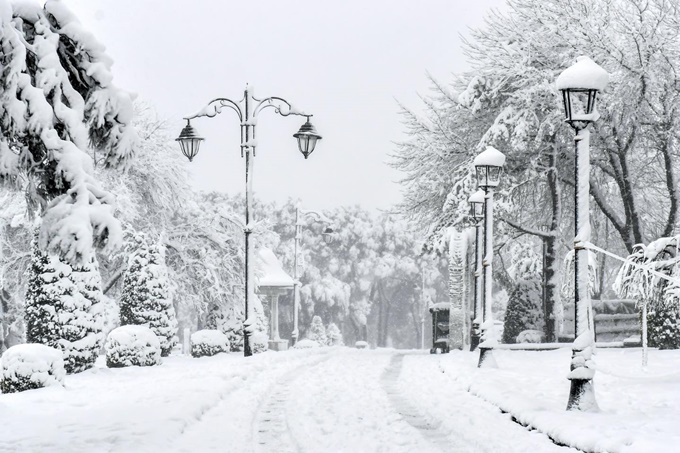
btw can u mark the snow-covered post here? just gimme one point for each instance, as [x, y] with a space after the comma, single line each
[248, 110]
[457, 313]
[579, 85]
[476, 201]
[302, 216]
[488, 165]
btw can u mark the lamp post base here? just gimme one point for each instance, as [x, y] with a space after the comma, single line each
[474, 337]
[486, 358]
[582, 396]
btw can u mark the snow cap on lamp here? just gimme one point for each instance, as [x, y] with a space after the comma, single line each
[488, 165]
[476, 201]
[579, 84]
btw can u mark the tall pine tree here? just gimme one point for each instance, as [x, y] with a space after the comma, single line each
[63, 308]
[146, 293]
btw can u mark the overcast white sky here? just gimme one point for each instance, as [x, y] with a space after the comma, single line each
[346, 62]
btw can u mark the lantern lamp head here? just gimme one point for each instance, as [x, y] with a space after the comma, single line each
[488, 165]
[328, 235]
[307, 138]
[579, 84]
[476, 201]
[189, 141]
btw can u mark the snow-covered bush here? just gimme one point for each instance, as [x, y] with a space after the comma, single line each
[333, 335]
[530, 336]
[317, 332]
[361, 344]
[524, 310]
[259, 342]
[31, 366]
[132, 345]
[63, 308]
[146, 296]
[306, 344]
[662, 296]
[663, 326]
[208, 342]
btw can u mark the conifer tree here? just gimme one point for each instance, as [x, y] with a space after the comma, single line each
[524, 310]
[63, 308]
[334, 336]
[146, 293]
[317, 332]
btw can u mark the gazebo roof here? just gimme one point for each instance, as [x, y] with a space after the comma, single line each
[273, 275]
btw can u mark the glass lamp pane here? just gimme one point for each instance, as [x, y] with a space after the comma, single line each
[303, 144]
[481, 176]
[494, 176]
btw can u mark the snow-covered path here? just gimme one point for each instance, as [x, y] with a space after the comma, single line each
[324, 400]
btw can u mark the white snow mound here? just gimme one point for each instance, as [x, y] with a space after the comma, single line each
[132, 345]
[31, 366]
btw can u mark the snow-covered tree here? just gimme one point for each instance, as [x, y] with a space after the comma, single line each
[333, 335]
[509, 100]
[146, 298]
[317, 332]
[640, 278]
[58, 111]
[63, 308]
[524, 311]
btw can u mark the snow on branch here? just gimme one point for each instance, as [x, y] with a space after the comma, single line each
[58, 109]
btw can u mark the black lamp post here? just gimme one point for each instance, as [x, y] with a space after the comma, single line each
[247, 110]
[580, 84]
[488, 166]
[476, 201]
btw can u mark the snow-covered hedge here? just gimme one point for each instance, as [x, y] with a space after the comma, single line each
[208, 342]
[132, 345]
[306, 344]
[530, 336]
[259, 342]
[31, 366]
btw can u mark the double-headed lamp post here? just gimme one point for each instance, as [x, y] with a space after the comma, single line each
[488, 165]
[302, 216]
[247, 110]
[579, 85]
[476, 201]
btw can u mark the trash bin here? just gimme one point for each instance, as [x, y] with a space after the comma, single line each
[440, 328]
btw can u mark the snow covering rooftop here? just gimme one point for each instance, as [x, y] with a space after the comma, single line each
[490, 156]
[273, 274]
[585, 74]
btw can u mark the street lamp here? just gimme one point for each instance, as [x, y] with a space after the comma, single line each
[579, 85]
[476, 201]
[247, 110]
[488, 165]
[301, 218]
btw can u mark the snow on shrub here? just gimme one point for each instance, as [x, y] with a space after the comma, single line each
[31, 366]
[63, 308]
[333, 335]
[132, 345]
[529, 336]
[317, 331]
[146, 293]
[306, 344]
[259, 342]
[208, 342]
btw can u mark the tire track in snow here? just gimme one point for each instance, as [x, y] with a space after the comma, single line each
[271, 429]
[429, 427]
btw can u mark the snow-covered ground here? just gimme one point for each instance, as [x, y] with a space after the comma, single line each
[342, 399]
